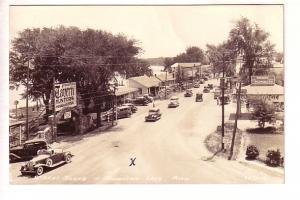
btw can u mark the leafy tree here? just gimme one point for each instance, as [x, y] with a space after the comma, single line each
[252, 42]
[192, 54]
[221, 56]
[264, 112]
[88, 57]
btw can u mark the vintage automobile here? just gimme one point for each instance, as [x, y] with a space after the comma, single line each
[210, 86]
[153, 115]
[188, 93]
[119, 112]
[133, 107]
[149, 98]
[226, 100]
[206, 89]
[45, 160]
[196, 85]
[217, 93]
[173, 102]
[27, 151]
[141, 101]
[199, 97]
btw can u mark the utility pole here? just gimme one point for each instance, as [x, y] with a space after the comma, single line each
[236, 119]
[193, 74]
[223, 88]
[27, 115]
[166, 85]
[54, 128]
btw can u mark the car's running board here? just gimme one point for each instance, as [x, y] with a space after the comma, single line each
[56, 164]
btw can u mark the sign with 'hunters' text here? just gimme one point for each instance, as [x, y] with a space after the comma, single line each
[65, 95]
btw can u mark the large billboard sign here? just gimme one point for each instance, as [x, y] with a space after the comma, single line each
[263, 80]
[65, 95]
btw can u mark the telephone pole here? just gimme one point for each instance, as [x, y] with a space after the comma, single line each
[54, 128]
[222, 102]
[236, 119]
[27, 114]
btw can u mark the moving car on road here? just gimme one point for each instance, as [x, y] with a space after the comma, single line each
[27, 151]
[188, 93]
[153, 115]
[196, 85]
[45, 160]
[206, 89]
[210, 86]
[173, 102]
[199, 97]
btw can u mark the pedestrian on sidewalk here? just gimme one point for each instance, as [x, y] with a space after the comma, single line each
[247, 106]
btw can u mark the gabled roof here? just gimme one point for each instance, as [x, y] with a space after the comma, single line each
[264, 90]
[147, 81]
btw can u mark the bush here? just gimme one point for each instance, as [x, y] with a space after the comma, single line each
[274, 158]
[252, 152]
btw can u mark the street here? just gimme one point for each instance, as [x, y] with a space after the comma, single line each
[170, 150]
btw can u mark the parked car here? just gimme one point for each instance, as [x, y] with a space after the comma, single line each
[46, 160]
[122, 112]
[173, 102]
[141, 101]
[226, 100]
[129, 100]
[27, 151]
[199, 97]
[153, 115]
[196, 85]
[188, 93]
[148, 98]
[206, 90]
[217, 93]
[133, 107]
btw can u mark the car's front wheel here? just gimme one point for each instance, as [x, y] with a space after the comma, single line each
[68, 158]
[39, 171]
[49, 162]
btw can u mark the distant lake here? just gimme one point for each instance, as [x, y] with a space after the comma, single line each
[157, 69]
[16, 94]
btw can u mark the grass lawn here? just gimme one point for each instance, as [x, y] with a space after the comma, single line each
[265, 142]
[213, 143]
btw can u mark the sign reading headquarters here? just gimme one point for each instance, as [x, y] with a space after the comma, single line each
[65, 95]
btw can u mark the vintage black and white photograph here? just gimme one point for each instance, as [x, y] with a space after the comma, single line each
[156, 94]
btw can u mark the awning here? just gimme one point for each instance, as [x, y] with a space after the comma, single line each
[125, 90]
[264, 90]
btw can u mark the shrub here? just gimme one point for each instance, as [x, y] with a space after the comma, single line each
[252, 152]
[274, 158]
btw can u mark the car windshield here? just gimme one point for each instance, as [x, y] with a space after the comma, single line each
[153, 112]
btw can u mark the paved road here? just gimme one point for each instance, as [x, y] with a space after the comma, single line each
[170, 150]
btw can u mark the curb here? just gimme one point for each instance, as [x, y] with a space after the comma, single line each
[268, 170]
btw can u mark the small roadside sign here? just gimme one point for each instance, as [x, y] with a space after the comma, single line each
[67, 115]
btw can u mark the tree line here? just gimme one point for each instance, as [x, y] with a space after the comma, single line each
[246, 39]
[88, 57]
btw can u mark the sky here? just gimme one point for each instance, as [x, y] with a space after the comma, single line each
[162, 31]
